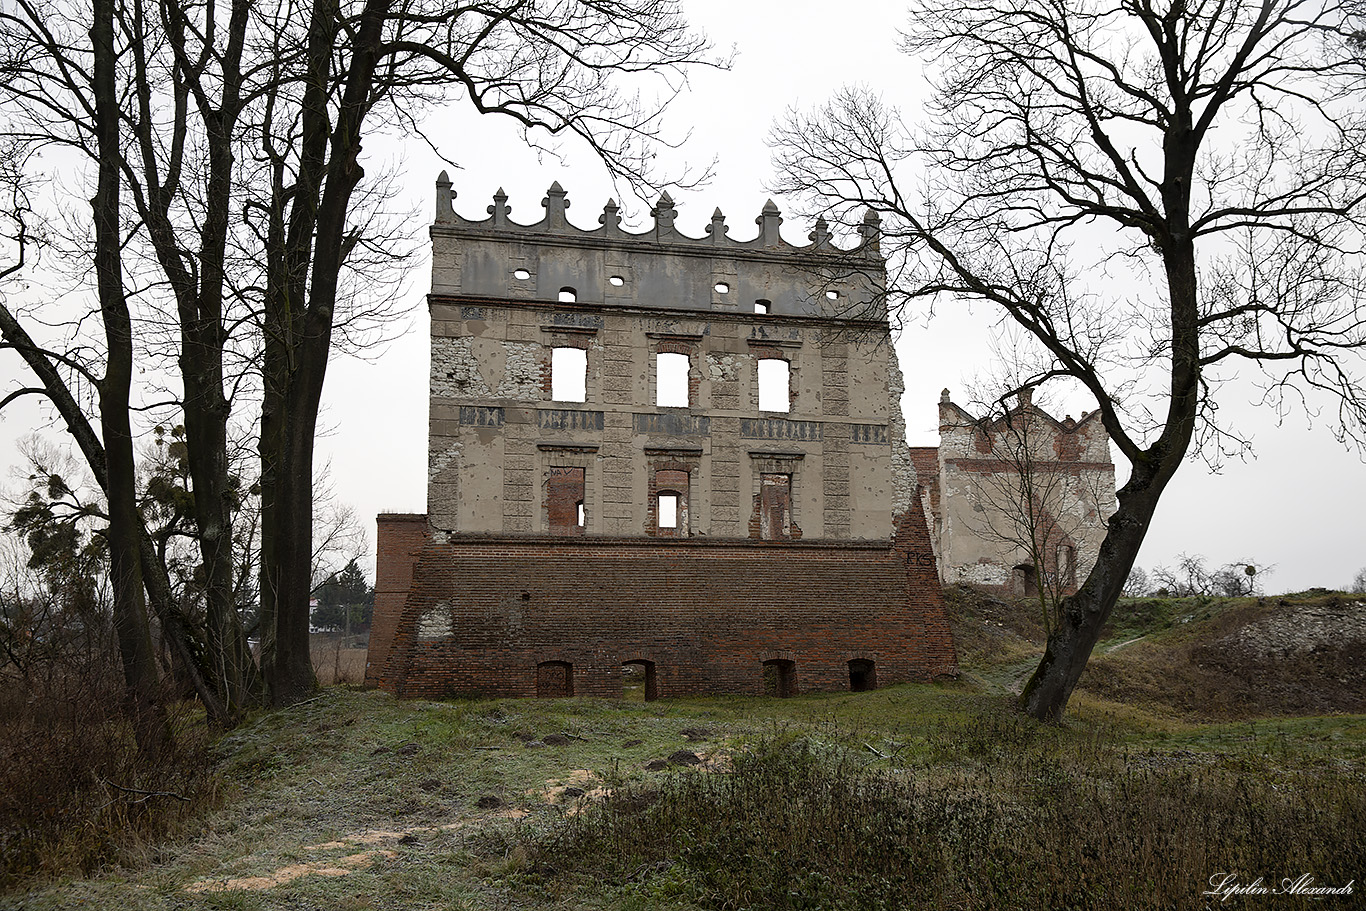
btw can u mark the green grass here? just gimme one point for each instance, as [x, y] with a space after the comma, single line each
[819, 797]
[917, 796]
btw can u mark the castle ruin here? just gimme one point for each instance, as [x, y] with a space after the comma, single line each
[679, 456]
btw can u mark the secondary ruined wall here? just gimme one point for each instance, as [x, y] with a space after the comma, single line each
[979, 515]
[799, 538]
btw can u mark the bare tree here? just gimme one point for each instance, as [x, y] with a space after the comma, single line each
[1159, 193]
[553, 66]
[1191, 578]
[229, 137]
[1137, 584]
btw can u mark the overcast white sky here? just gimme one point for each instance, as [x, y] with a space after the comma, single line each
[1297, 506]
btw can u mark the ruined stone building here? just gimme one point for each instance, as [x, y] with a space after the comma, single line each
[682, 456]
[1019, 499]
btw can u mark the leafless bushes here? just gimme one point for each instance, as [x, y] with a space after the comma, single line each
[76, 790]
[1190, 578]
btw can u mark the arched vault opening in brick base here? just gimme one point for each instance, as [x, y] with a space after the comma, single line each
[780, 677]
[862, 675]
[638, 680]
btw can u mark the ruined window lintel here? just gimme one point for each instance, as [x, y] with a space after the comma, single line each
[679, 452]
[677, 336]
[567, 447]
[589, 331]
[776, 456]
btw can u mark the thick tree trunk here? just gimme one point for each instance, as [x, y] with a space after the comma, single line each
[306, 264]
[1046, 694]
[1083, 614]
[125, 566]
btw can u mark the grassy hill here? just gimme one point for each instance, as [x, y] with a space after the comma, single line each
[1203, 658]
[930, 796]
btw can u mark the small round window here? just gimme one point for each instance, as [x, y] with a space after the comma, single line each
[521, 275]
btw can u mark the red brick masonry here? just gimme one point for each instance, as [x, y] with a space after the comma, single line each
[482, 612]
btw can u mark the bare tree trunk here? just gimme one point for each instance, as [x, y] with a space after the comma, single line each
[130, 610]
[296, 369]
[1082, 615]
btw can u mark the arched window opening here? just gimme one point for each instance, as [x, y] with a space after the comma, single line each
[638, 681]
[568, 295]
[1067, 567]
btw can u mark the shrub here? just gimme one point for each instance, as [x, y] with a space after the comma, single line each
[797, 826]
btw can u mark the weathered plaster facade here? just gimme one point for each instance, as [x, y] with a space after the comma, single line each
[764, 517]
[993, 483]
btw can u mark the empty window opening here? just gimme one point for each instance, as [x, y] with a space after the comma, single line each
[554, 679]
[773, 384]
[775, 506]
[668, 510]
[722, 288]
[1024, 579]
[564, 501]
[671, 380]
[569, 375]
[762, 306]
[832, 295]
[638, 681]
[521, 275]
[568, 295]
[780, 678]
[616, 281]
[862, 675]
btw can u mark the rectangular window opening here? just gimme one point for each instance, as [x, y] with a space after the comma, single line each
[668, 510]
[564, 499]
[569, 375]
[671, 380]
[775, 506]
[774, 378]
